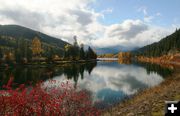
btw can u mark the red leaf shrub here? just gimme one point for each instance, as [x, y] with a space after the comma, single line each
[45, 101]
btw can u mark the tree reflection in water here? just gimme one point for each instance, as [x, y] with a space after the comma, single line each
[155, 68]
[33, 74]
[108, 83]
[164, 71]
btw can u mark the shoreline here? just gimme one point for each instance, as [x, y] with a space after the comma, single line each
[48, 64]
[150, 101]
[162, 60]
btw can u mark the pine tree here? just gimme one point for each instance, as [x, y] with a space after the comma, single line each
[1, 53]
[82, 53]
[91, 54]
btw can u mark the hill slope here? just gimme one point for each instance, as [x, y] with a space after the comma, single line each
[14, 36]
[167, 45]
[19, 31]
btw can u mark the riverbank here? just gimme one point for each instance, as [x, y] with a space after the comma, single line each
[44, 64]
[150, 102]
[165, 59]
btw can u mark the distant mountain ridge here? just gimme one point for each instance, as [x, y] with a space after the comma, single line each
[113, 50]
[167, 45]
[17, 31]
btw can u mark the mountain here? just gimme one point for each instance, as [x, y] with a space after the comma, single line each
[17, 31]
[167, 45]
[113, 50]
[10, 34]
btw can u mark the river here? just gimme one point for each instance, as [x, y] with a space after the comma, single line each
[108, 82]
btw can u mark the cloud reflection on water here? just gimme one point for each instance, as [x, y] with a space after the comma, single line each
[111, 80]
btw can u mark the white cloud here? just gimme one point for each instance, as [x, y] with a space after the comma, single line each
[125, 79]
[128, 29]
[108, 10]
[66, 18]
[143, 9]
[148, 18]
[131, 33]
[153, 34]
[56, 17]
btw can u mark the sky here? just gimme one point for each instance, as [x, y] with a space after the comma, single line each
[98, 23]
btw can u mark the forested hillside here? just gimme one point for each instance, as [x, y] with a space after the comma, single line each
[22, 45]
[167, 45]
[13, 37]
[17, 31]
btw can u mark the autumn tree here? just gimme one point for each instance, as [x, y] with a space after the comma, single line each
[9, 57]
[36, 47]
[67, 51]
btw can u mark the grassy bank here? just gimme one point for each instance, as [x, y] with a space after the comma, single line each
[150, 102]
[165, 59]
[44, 64]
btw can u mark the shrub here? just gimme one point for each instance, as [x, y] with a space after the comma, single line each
[39, 100]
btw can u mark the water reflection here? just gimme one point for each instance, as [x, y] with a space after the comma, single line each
[23, 75]
[36, 73]
[161, 70]
[124, 61]
[108, 82]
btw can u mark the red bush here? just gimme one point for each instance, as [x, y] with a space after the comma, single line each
[45, 101]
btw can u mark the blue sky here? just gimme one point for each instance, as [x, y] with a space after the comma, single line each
[98, 23]
[165, 12]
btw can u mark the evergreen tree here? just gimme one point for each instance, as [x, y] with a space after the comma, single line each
[91, 54]
[82, 53]
[1, 53]
[75, 49]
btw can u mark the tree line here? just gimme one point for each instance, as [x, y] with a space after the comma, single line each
[21, 50]
[77, 52]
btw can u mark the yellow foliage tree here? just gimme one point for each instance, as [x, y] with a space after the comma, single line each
[124, 57]
[9, 56]
[36, 47]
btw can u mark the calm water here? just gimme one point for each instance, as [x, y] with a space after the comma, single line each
[108, 82]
